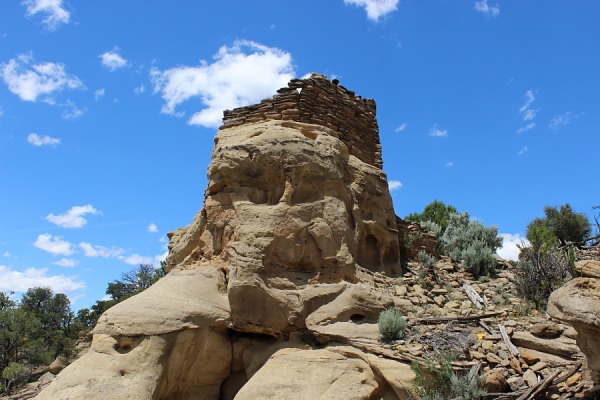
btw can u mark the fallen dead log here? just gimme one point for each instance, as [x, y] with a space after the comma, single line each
[457, 319]
[474, 296]
[536, 389]
[512, 349]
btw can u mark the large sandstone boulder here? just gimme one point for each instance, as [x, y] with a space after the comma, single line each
[578, 303]
[289, 250]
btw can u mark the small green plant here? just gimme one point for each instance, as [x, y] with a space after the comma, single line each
[426, 259]
[392, 324]
[467, 386]
[432, 379]
[484, 279]
[435, 380]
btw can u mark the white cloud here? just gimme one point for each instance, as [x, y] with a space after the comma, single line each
[99, 251]
[36, 277]
[152, 228]
[523, 151]
[73, 218]
[509, 249]
[98, 94]
[394, 185]
[113, 60]
[449, 164]
[529, 99]
[53, 244]
[436, 132]
[161, 257]
[140, 89]
[529, 114]
[490, 11]
[56, 13]
[375, 8]
[526, 128]
[74, 111]
[401, 128]
[29, 81]
[135, 259]
[240, 75]
[558, 121]
[66, 262]
[37, 140]
[6, 254]
[1, 111]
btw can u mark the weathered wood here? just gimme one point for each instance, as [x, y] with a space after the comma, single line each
[537, 388]
[458, 319]
[474, 296]
[487, 328]
[569, 374]
[512, 349]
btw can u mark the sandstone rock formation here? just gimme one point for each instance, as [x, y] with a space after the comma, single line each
[296, 227]
[578, 303]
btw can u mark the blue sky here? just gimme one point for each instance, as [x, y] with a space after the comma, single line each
[108, 111]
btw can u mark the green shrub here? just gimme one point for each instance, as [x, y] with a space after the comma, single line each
[392, 324]
[467, 387]
[426, 259]
[479, 259]
[437, 381]
[471, 241]
[561, 223]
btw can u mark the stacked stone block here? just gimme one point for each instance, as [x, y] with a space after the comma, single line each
[317, 100]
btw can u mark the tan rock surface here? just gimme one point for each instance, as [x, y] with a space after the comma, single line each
[578, 303]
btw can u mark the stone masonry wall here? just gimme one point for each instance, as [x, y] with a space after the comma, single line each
[317, 100]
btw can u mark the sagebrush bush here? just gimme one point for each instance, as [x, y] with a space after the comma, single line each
[479, 259]
[392, 324]
[426, 259]
[471, 241]
[444, 383]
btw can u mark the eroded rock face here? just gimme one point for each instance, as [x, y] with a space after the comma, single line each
[296, 226]
[578, 303]
[287, 207]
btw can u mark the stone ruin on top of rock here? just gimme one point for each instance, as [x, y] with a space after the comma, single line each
[284, 256]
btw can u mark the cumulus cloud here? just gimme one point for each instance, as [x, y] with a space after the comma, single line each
[90, 250]
[239, 75]
[509, 249]
[135, 259]
[558, 121]
[53, 9]
[30, 81]
[394, 185]
[152, 228]
[490, 11]
[436, 132]
[73, 218]
[375, 8]
[36, 140]
[66, 262]
[36, 277]
[53, 244]
[401, 128]
[113, 60]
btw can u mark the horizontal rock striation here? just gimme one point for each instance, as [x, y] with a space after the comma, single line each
[316, 100]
